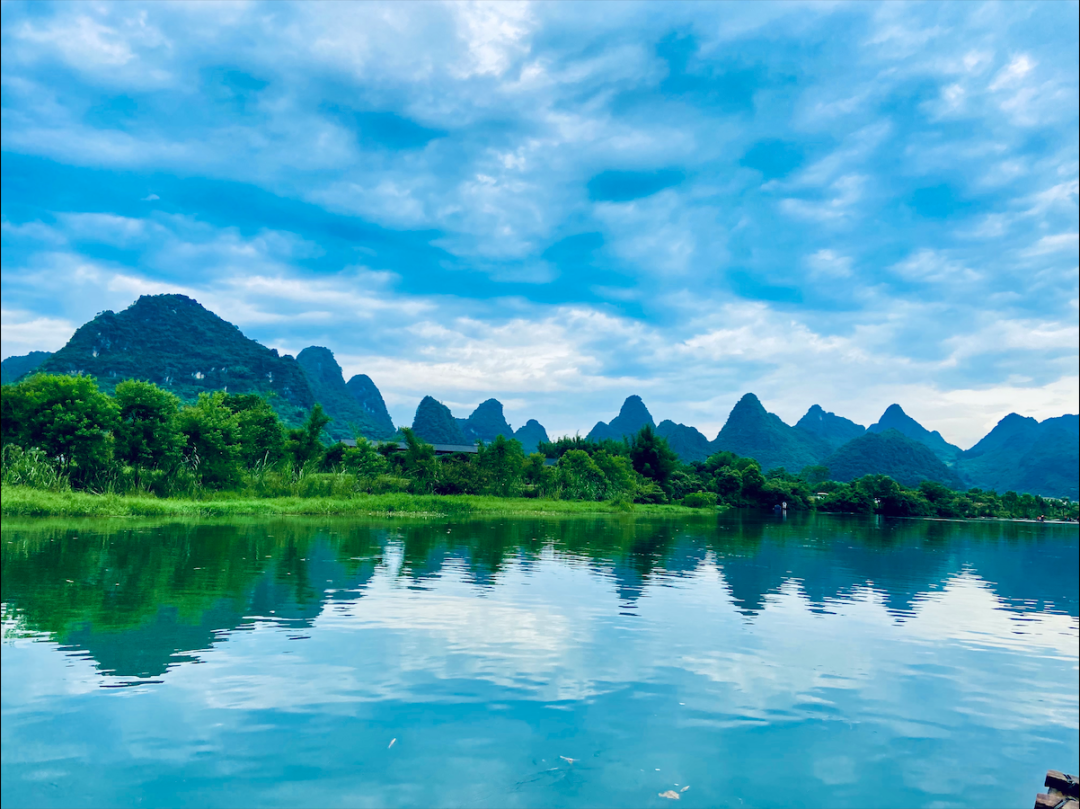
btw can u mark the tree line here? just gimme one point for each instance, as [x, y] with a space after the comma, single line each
[64, 432]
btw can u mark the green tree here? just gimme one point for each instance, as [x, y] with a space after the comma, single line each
[418, 462]
[579, 477]
[503, 464]
[260, 434]
[652, 457]
[619, 476]
[67, 417]
[364, 460]
[212, 450]
[147, 432]
[303, 445]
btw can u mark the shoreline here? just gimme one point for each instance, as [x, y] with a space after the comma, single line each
[22, 502]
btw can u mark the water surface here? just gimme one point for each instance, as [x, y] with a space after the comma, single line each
[812, 661]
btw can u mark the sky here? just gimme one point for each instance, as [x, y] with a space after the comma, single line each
[562, 204]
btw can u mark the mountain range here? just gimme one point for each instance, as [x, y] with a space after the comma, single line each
[180, 345]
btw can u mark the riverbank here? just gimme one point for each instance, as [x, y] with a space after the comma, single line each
[21, 501]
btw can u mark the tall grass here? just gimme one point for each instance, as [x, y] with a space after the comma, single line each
[23, 501]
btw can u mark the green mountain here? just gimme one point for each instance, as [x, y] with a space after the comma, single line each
[890, 453]
[753, 432]
[486, 422]
[531, 435]
[329, 389]
[364, 391]
[687, 442]
[632, 417]
[1025, 456]
[894, 418]
[834, 430]
[183, 347]
[435, 423]
[15, 368]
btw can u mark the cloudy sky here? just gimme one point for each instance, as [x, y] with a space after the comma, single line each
[560, 205]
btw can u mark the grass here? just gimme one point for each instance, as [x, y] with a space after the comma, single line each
[22, 501]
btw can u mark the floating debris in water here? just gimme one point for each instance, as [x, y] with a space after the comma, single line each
[684, 788]
[568, 760]
[671, 794]
[391, 743]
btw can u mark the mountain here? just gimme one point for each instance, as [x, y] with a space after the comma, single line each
[15, 368]
[329, 389]
[178, 344]
[632, 417]
[486, 422]
[834, 430]
[894, 418]
[890, 453]
[435, 423]
[531, 435]
[753, 432]
[1026, 456]
[367, 395]
[687, 442]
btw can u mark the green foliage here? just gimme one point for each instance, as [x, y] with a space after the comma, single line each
[66, 417]
[260, 434]
[147, 434]
[891, 453]
[559, 447]
[700, 500]
[303, 445]
[32, 468]
[502, 463]
[652, 457]
[212, 449]
[61, 433]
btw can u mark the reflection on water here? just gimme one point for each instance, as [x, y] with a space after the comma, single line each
[538, 662]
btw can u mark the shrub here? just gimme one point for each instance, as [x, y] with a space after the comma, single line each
[699, 500]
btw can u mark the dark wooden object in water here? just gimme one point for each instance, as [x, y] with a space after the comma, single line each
[1064, 792]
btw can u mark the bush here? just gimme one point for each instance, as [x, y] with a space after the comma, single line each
[700, 500]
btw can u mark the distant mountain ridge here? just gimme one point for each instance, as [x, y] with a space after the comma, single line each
[435, 423]
[368, 397]
[15, 368]
[689, 443]
[175, 342]
[328, 388]
[891, 453]
[1024, 455]
[894, 418]
[486, 422]
[752, 431]
[633, 415]
[834, 430]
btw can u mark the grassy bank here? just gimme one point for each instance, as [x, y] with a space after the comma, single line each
[21, 501]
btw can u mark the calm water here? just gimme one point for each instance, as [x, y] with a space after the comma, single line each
[574, 662]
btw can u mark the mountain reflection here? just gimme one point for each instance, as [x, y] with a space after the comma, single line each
[138, 600]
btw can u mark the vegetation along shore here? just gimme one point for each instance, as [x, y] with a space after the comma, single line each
[70, 448]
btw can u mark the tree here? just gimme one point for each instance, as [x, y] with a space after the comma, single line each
[303, 445]
[418, 462]
[212, 449]
[579, 477]
[147, 432]
[652, 457]
[67, 417]
[503, 462]
[260, 434]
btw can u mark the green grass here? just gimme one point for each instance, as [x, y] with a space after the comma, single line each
[22, 501]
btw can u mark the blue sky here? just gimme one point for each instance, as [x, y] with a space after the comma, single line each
[560, 205]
